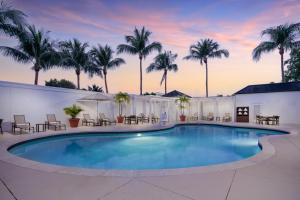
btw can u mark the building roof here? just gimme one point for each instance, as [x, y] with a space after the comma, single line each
[272, 87]
[175, 93]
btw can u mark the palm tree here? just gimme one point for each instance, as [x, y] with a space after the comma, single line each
[203, 50]
[164, 62]
[11, 20]
[34, 46]
[102, 57]
[138, 44]
[74, 56]
[282, 37]
[95, 88]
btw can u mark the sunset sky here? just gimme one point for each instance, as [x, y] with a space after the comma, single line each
[234, 24]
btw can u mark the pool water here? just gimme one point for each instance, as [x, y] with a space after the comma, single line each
[178, 147]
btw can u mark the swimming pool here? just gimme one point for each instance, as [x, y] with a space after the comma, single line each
[179, 147]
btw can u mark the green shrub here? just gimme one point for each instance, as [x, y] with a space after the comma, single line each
[73, 111]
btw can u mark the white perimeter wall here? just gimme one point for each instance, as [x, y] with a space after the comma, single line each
[37, 101]
[284, 104]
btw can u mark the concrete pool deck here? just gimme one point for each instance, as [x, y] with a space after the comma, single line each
[273, 174]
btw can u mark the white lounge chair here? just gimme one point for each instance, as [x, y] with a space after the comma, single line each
[87, 120]
[227, 117]
[21, 123]
[52, 122]
[210, 116]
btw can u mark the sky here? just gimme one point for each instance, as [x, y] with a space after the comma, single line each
[235, 24]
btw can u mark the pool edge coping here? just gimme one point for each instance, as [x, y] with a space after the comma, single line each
[268, 150]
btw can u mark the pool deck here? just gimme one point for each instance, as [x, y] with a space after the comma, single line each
[273, 174]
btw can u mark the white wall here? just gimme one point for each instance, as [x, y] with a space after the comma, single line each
[284, 104]
[37, 101]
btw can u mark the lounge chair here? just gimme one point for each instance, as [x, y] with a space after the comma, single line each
[210, 116]
[87, 120]
[105, 120]
[226, 117]
[21, 123]
[1, 120]
[142, 118]
[52, 122]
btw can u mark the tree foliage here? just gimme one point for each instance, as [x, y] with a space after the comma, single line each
[293, 66]
[63, 83]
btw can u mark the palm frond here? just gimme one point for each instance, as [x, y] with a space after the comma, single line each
[262, 48]
[16, 54]
[152, 67]
[125, 48]
[115, 63]
[154, 46]
[11, 15]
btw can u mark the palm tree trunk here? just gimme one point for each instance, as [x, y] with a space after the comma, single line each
[78, 79]
[281, 52]
[166, 81]
[105, 82]
[141, 76]
[36, 78]
[206, 84]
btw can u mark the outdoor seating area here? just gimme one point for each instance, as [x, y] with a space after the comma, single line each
[21, 125]
[267, 120]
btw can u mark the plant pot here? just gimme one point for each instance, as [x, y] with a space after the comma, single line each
[120, 119]
[182, 118]
[74, 122]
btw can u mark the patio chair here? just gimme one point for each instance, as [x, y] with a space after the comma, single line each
[194, 117]
[52, 122]
[142, 118]
[259, 119]
[105, 120]
[154, 118]
[226, 117]
[1, 120]
[210, 116]
[87, 120]
[21, 123]
[132, 119]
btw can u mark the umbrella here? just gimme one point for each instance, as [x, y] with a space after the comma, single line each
[96, 97]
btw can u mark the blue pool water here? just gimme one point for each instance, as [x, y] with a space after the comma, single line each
[179, 147]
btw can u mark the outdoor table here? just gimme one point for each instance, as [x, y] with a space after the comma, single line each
[269, 120]
[37, 127]
[130, 119]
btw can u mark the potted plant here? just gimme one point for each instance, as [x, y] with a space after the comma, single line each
[182, 101]
[120, 99]
[73, 111]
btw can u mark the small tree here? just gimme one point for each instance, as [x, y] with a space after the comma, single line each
[73, 111]
[120, 99]
[182, 102]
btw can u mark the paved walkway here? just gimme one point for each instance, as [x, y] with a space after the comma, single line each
[276, 178]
